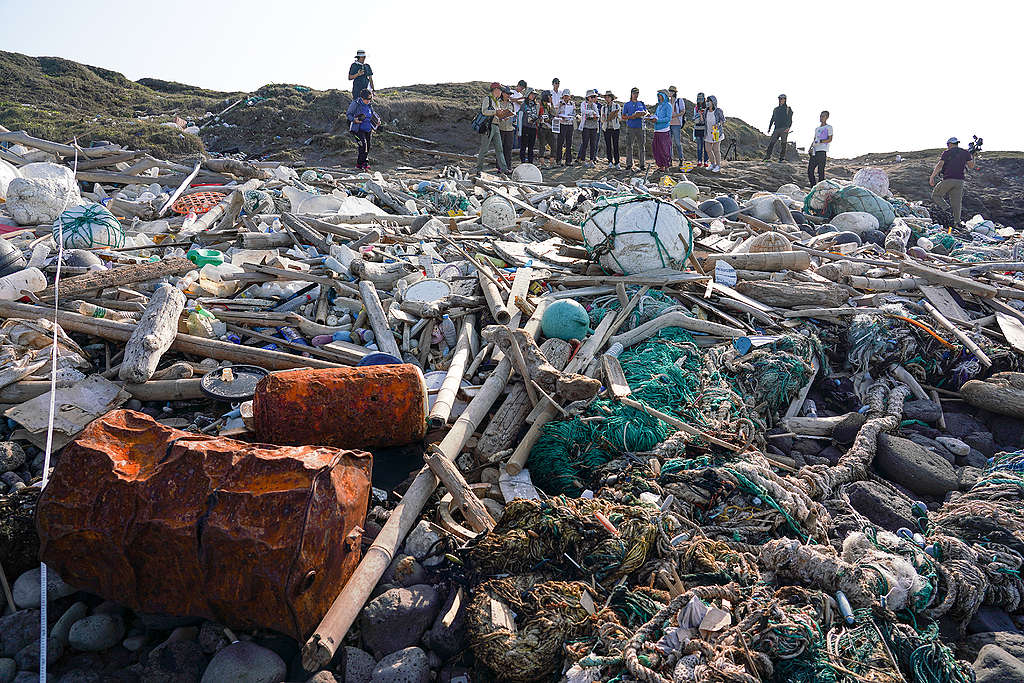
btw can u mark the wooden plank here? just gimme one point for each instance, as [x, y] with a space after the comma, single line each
[614, 375]
[944, 302]
[121, 276]
[948, 280]
[1012, 329]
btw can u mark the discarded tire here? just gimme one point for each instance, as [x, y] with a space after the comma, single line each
[171, 522]
[365, 407]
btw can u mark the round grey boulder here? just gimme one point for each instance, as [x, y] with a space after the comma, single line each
[244, 662]
[410, 665]
[97, 632]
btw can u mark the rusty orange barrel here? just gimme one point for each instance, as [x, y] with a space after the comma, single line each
[368, 407]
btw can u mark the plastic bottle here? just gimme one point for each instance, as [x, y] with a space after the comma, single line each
[614, 350]
[448, 330]
[13, 286]
[291, 334]
[86, 308]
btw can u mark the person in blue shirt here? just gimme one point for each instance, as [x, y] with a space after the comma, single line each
[662, 144]
[633, 113]
[361, 119]
[360, 74]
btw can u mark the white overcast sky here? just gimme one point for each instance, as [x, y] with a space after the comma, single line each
[896, 75]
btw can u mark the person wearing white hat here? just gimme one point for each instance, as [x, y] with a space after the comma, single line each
[611, 113]
[360, 74]
[953, 164]
[565, 121]
[590, 124]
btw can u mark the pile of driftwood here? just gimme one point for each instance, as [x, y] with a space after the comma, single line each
[329, 267]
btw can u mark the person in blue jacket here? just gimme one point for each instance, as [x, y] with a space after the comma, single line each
[662, 145]
[361, 118]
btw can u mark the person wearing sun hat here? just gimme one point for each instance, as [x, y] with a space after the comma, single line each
[611, 113]
[953, 165]
[590, 124]
[360, 74]
[565, 121]
[490, 107]
[676, 123]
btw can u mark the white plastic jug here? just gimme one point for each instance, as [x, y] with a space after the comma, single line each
[13, 286]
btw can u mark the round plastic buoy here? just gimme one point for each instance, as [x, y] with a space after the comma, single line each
[527, 173]
[770, 242]
[713, 208]
[308, 176]
[684, 190]
[11, 258]
[918, 253]
[497, 213]
[378, 358]
[80, 258]
[88, 225]
[855, 221]
[635, 235]
[730, 205]
[565, 319]
[847, 237]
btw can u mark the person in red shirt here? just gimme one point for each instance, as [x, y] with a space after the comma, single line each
[953, 164]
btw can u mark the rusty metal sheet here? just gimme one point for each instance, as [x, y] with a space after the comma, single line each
[366, 407]
[167, 521]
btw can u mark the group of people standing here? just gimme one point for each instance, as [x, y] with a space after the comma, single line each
[543, 124]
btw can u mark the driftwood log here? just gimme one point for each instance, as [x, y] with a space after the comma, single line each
[153, 335]
[119, 277]
[769, 261]
[1002, 393]
[790, 294]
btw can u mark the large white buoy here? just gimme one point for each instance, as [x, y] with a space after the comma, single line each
[636, 235]
[497, 213]
[527, 173]
[875, 179]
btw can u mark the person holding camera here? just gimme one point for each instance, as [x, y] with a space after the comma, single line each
[952, 165]
[360, 74]
[491, 135]
[360, 119]
[633, 113]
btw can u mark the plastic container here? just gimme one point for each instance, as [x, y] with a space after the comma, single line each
[333, 406]
[205, 257]
[14, 286]
[86, 308]
[11, 258]
[448, 330]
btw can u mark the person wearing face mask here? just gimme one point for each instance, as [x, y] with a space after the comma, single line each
[699, 128]
[545, 138]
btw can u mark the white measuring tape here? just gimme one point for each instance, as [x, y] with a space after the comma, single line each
[43, 631]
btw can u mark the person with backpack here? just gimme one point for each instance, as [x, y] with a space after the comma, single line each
[611, 112]
[528, 116]
[486, 126]
[633, 113]
[590, 123]
[699, 128]
[675, 126]
[361, 117]
[545, 138]
[782, 122]
[564, 122]
[662, 143]
[506, 116]
[714, 121]
[819, 149]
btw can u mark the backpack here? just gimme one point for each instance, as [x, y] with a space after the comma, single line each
[482, 122]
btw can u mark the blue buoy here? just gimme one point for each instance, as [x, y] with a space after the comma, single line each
[565, 319]
[379, 358]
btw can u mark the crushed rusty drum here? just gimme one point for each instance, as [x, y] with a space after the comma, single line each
[364, 407]
[167, 521]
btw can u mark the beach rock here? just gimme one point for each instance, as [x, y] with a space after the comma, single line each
[967, 477]
[973, 458]
[831, 454]
[996, 665]
[846, 431]
[404, 571]
[915, 467]
[405, 666]
[32, 677]
[97, 632]
[982, 441]
[323, 677]
[135, 642]
[923, 410]
[1011, 641]
[883, 505]
[954, 445]
[12, 456]
[8, 670]
[421, 541]
[961, 424]
[27, 658]
[72, 614]
[179, 662]
[80, 676]
[449, 639]
[212, 638]
[873, 237]
[991, 619]
[244, 662]
[1007, 431]
[26, 588]
[18, 630]
[359, 665]
[398, 618]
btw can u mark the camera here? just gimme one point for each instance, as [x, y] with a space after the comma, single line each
[975, 145]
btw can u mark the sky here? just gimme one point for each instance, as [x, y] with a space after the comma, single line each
[896, 76]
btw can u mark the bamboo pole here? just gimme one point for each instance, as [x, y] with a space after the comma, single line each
[675, 319]
[378, 319]
[445, 399]
[324, 642]
[499, 310]
[770, 261]
[964, 339]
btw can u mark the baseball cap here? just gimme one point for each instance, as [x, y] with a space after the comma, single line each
[494, 85]
[953, 141]
[782, 96]
[360, 53]
[634, 89]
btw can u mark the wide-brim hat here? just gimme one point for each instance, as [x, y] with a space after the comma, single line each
[360, 53]
[566, 93]
[609, 93]
[592, 92]
[493, 85]
[528, 92]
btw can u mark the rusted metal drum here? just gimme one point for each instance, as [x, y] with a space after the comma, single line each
[367, 407]
[166, 521]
